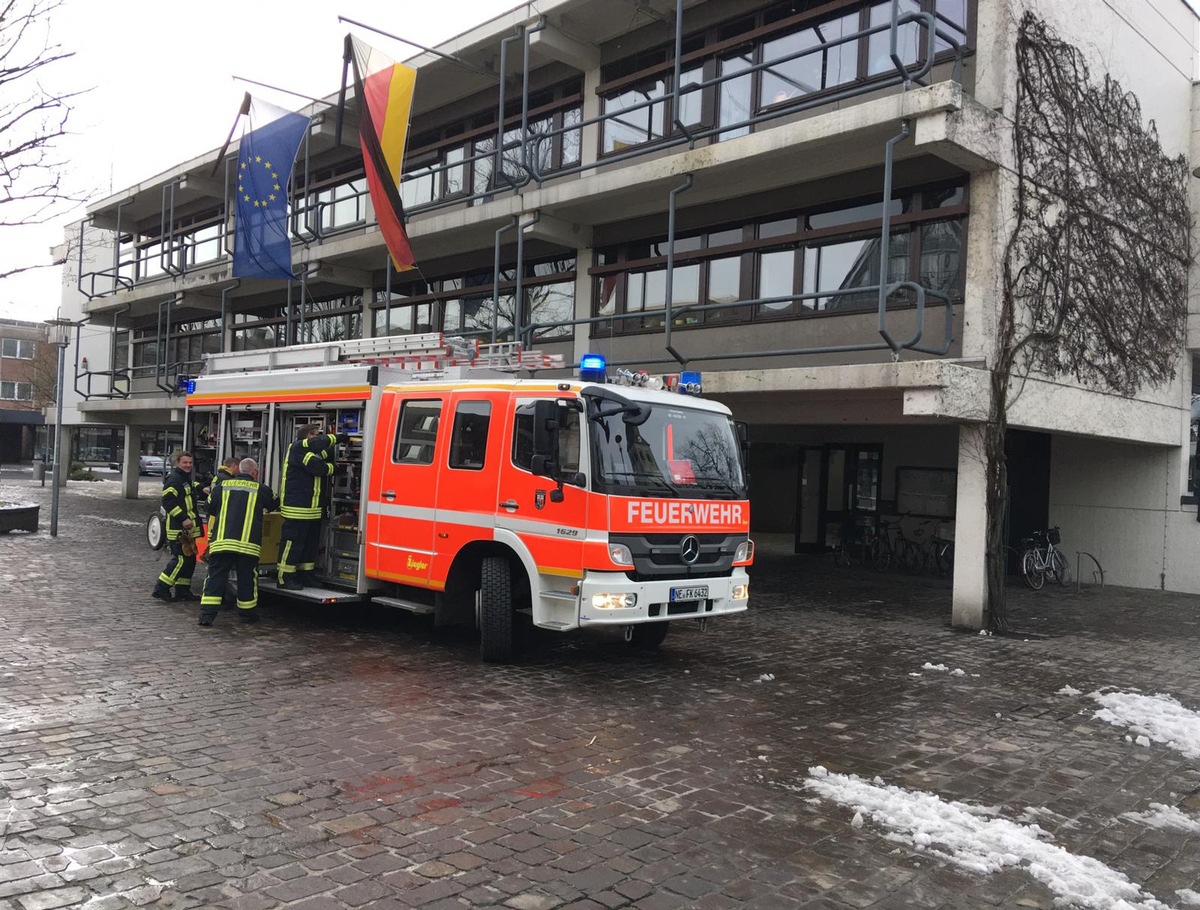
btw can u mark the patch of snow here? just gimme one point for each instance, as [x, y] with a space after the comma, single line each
[958, 672]
[973, 838]
[1188, 896]
[1160, 718]
[1161, 816]
[766, 677]
[1069, 691]
[940, 667]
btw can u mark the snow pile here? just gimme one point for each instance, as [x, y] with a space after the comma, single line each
[766, 677]
[976, 839]
[1158, 717]
[940, 667]
[1068, 690]
[1161, 816]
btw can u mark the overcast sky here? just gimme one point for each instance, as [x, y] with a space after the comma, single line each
[162, 89]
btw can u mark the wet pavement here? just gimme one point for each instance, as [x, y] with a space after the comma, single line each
[344, 757]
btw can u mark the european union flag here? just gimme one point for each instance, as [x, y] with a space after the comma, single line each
[261, 245]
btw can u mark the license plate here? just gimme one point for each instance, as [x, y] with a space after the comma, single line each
[699, 592]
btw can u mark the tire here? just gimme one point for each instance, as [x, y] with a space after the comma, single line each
[1059, 568]
[881, 556]
[1029, 571]
[914, 559]
[156, 532]
[495, 610]
[649, 635]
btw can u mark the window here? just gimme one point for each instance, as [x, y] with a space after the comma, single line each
[823, 254]
[18, 348]
[416, 432]
[16, 391]
[568, 440]
[468, 441]
[802, 50]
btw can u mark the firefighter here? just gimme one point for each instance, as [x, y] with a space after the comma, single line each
[228, 468]
[235, 529]
[308, 465]
[182, 527]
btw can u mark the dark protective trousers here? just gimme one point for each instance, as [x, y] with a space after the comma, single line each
[179, 569]
[299, 543]
[219, 567]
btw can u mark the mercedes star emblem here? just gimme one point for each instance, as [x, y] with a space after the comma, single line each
[689, 549]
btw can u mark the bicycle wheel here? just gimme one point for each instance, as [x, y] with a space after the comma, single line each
[914, 558]
[1059, 568]
[881, 555]
[945, 558]
[841, 556]
[1030, 572]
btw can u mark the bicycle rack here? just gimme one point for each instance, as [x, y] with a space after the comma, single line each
[1097, 575]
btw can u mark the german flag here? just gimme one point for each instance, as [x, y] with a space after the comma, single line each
[384, 90]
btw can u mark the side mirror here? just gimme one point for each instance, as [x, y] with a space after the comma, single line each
[743, 434]
[546, 425]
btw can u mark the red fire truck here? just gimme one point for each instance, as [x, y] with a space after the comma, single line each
[480, 497]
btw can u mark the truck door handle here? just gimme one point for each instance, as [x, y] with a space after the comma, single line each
[389, 495]
[511, 504]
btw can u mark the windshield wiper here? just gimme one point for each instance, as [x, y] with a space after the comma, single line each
[645, 476]
[716, 483]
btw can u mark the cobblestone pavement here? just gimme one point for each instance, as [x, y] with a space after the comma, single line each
[354, 757]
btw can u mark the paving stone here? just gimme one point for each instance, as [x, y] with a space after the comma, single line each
[365, 759]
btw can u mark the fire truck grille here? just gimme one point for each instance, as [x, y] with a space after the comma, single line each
[664, 555]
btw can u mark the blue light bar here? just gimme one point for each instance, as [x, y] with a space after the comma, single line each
[592, 368]
[690, 382]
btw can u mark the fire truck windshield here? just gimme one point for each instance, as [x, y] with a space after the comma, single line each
[674, 451]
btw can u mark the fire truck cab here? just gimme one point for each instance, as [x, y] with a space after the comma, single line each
[480, 497]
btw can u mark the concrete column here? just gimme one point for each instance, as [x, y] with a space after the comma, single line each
[64, 460]
[368, 315]
[585, 258]
[589, 146]
[970, 531]
[130, 472]
[985, 264]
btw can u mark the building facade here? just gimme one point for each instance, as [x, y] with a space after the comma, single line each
[702, 184]
[27, 378]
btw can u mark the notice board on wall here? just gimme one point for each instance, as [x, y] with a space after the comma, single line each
[926, 491]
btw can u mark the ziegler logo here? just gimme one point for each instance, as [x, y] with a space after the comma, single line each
[568, 532]
[418, 565]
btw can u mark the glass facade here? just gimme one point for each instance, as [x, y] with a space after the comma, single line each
[804, 264]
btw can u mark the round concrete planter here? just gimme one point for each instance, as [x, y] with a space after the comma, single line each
[18, 516]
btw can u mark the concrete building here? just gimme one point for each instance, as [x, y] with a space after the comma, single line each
[763, 146]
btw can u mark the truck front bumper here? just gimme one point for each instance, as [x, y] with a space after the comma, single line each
[653, 600]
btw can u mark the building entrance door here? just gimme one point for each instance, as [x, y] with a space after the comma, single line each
[849, 488]
[809, 484]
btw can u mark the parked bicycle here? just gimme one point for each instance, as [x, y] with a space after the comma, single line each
[1041, 559]
[890, 545]
[929, 553]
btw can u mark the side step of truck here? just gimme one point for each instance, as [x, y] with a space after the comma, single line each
[312, 593]
[400, 603]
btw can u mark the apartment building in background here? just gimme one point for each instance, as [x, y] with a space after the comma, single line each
[27, 377]
[570, 170]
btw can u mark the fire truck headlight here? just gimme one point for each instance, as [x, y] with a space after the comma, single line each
[740, 592]
[619, 553]
[614, 601]
[744, 552]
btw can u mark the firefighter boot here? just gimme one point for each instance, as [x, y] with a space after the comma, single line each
[185, 594]
[161, 592]
[290, 582]
[207, 617]
[248, 616]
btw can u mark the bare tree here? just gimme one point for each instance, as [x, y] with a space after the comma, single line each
[33, 118]
[1095, 271]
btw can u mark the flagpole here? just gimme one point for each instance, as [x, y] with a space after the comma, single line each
[465, 64]
[242, 112]
[286, 91]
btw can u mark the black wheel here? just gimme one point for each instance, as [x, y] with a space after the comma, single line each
[1029, 571]
[914, 559]
[881, 556]
[156, 532]
[649, 635]
[495, 610]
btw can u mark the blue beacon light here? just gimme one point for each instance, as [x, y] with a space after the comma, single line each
[592, 368]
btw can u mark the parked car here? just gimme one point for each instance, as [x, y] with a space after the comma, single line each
[151, 464]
